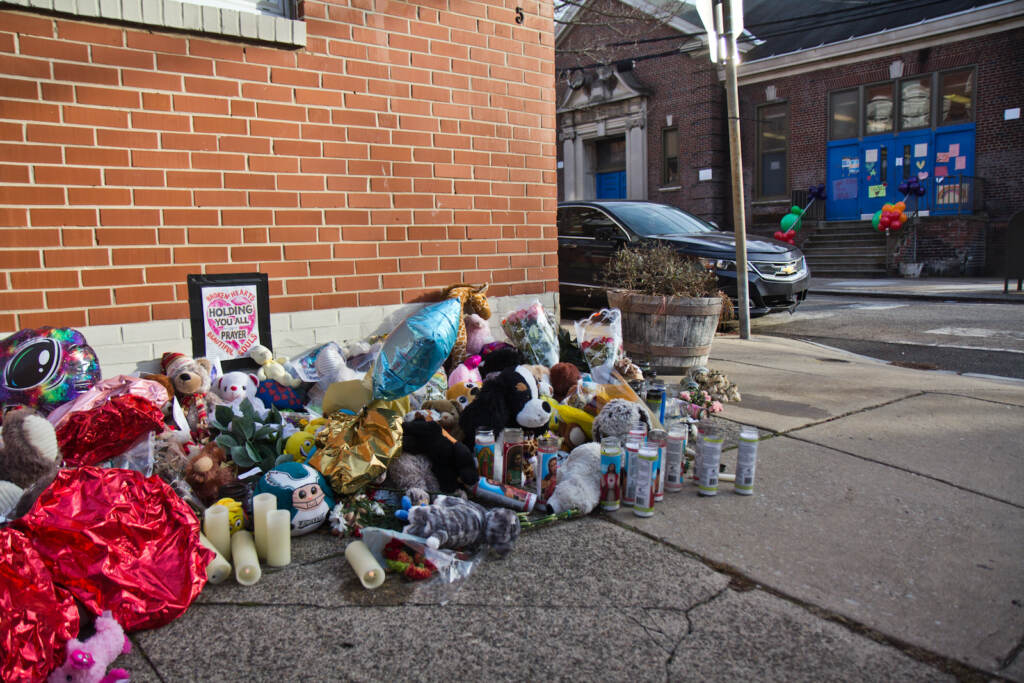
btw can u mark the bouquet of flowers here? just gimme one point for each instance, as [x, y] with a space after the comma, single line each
[600, 340]
[407, 561]
[530, 331]
[698, 404]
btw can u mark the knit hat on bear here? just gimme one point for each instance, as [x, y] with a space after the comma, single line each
[172, 362]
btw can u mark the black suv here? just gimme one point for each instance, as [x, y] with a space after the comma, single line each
[589, 232]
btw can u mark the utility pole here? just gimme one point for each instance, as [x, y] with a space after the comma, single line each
[722, 48]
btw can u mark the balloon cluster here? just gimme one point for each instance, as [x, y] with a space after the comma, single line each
[790, 223]
[890, 217]
[912, 186]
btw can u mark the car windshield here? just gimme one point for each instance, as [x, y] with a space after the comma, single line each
[650, 220]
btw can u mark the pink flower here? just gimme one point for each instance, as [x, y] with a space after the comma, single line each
[685, 395]
[716, 407]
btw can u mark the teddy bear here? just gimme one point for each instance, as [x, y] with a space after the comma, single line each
[462, 394]
[564, 377]
[542, 374]
[206, 472]
[29, 460]
[616, 417]
[579, 480]
[272, 368]
[232, 387]
[191, 381]
[451, 522]
[509, 399]
[331, 367]
[87, 661]
[446, 413]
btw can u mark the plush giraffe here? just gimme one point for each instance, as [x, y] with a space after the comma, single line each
[474, 300]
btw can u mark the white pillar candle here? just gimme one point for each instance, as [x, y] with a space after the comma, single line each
[364, 564]
[219, 568]
[247, 564]
[279, 538]
[262, 503]
[216, 528]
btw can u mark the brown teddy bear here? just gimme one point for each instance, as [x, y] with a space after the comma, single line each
[29, 460]
[191, 381]
[206, 472]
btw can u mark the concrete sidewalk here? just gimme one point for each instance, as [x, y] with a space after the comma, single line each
[980, 290]
[883, 542]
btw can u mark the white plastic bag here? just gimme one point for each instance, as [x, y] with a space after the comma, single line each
[600, 339]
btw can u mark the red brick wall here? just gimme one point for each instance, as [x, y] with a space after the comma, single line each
[999, 144]
[408, 146]
[685, 87]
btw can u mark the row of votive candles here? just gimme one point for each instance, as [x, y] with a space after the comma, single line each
[270, 540]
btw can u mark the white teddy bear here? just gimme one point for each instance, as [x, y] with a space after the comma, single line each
[231, 387]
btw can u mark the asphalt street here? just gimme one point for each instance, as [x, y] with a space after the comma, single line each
[956, 336]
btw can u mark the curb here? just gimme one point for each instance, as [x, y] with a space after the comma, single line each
[965, 298]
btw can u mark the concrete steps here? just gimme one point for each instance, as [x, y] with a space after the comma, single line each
[846, 249]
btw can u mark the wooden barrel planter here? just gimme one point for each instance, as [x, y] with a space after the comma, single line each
[674, 333]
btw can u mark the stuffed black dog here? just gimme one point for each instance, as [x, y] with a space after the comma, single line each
[510, 399]
[501, 357]
[451, 461]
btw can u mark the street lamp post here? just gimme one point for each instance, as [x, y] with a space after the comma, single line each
[722, 48]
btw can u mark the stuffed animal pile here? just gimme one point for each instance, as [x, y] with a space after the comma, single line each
[330, 427]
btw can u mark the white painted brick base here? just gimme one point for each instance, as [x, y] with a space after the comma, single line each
[131, 349]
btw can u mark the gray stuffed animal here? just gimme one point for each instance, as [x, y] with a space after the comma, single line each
[452, 522]
[616, 417]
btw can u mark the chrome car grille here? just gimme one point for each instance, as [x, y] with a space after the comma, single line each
[783, 271]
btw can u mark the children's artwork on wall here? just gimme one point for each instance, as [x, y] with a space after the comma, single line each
[941, 171]
[876, 191]
[921, 149]
[230, 314]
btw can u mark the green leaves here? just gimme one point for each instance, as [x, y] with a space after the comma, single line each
[250, 440]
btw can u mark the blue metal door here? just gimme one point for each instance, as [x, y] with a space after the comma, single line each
[913, 151]
[953, 170]
[878, 174]
[611, 185]
[843, 181]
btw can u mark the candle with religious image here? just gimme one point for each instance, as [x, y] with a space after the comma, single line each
[611, 468]
[644, 481]
[546, 471]
[513, 456]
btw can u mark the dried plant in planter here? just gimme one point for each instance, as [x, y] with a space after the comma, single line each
[657, 269]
